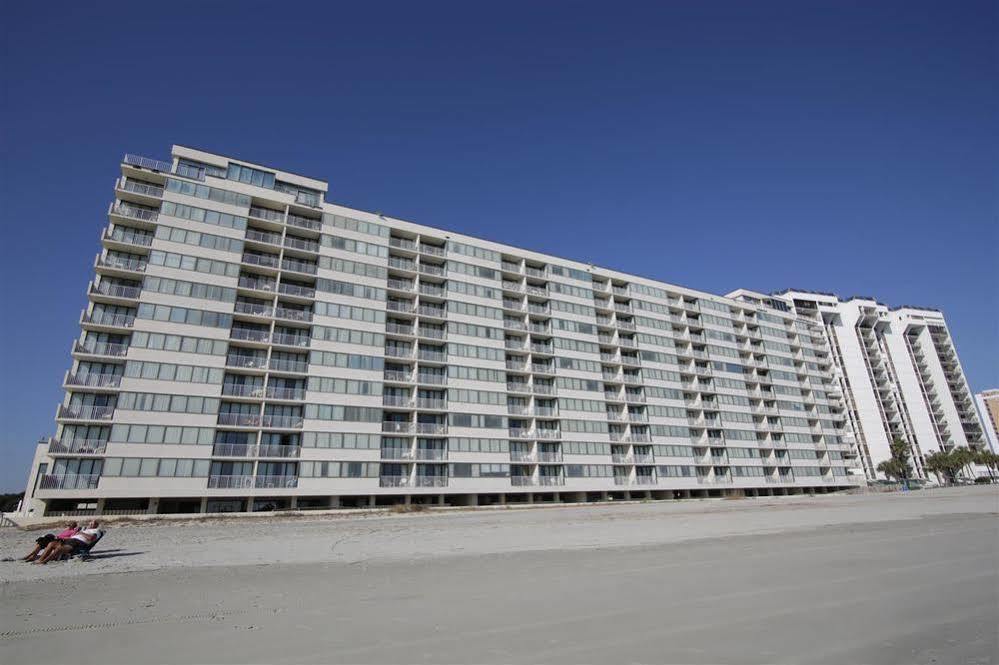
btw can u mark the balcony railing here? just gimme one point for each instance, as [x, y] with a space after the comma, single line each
[109, 320]
[116, 290]
[431, 428]
[276, 482]
[432, 379]
[398, 427]
[431, 481]
[394, 481]
[295, 290]
[253, 309]
[548, 457]
[132, 212]
[522, 481]
[279, 451]
[432, 454]
[233, 450]
[302, 244]
[397, 400]
[263, 236]
[239, 419]
[252, 362]
[284, 339]
[78, 447]
[230, 482]
[543, 389]
[86, 412]
[299, 266]
[304, 222]
[94, 380]
[432, 333]
[551, 480]
[69, 482]
[148, 163]
[281, 421]
[297, 366]
[431, 403]
[101, 349]
[292, 314]
[523, 456]
[154, 191]
[276, 392]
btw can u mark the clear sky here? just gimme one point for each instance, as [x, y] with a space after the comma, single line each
[835, 146]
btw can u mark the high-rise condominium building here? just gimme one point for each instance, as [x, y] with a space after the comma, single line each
[988, 407]
[900, 376]
[248, 345]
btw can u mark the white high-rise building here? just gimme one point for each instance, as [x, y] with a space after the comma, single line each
[247, 344]
[987, 402]
[900, 375]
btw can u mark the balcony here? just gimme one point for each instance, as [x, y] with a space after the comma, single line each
[300, 315]
[93, 380]
[265, 285]
[645, 480]
[401, 285]
[432, 333]
[394, 481]
[406, 306]
[101, 349]
[302, 244]
[432, 379]
[431, 428]
[266, 214]
[523, 456]
[117, 263]
[432, 356]
[276, 482]
[294, 366]
[432, 250]
[239, 419]
[116, 291]
[263, 260]
[304, 222]
[230, 482]
[105, 320]
[279, 451]
[402, 264]
[233, 450]
[263, 237]
[429, 269]
[548, 481]
[141, 214]
[521, 433]
[549, 457]
[431, 454]
[141, 188]
[276, 392]
[435, 312]
[303, 267]
[397, 376]
[431, 403]
[295, 290]
[397, 401]
[69, 482]
[148, 163]
[281, 422]
[398, 427]
[399, 352]
[543, 389]
[246, 361]
[432, 290]
[430, 481]
[620, 458]
[403, 243]
[522, 481]
[253, 309]
[85, 412]
[78, 447]
[298, 341]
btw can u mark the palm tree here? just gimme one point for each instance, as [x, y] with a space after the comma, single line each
[898, 466]
[938, 463]
[989, 460]
[962, 460]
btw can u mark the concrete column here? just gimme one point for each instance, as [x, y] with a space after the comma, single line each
[604, 496]
[473, 499]
[334, 502]
[154, 506]
[440, 499]
[371, 501]
[100, 506]
[502, 499]
[407, 500]
[204, 505]
[293, 504]
[530, 497]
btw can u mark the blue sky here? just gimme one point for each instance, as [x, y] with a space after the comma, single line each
[836, 146]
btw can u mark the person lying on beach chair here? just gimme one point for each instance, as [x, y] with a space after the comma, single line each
[81, 543]
[72, 528]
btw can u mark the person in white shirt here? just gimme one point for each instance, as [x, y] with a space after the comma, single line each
[83, 540]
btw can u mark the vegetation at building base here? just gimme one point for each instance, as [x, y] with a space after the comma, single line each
[898, 467]
[948, 465]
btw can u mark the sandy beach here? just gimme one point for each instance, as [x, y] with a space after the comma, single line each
[477, 586]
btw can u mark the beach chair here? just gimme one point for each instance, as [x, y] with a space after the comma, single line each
[84, 553]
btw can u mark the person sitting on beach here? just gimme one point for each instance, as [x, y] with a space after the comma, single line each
[72, 528]
[72, 545]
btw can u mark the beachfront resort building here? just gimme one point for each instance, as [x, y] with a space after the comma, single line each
[987, 402]
[249, 345]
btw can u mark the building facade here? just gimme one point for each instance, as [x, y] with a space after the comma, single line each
[987, 402]
[249, 345]
[900, 375]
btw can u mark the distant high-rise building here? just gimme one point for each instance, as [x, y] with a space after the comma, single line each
[900, 376]
[988, 407]
[247, 344]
